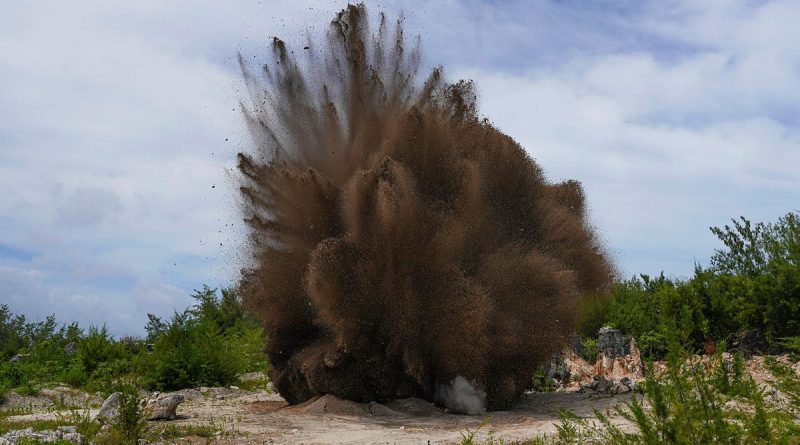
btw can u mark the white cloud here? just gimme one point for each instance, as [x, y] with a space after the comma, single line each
[114, 118]
[666, 148]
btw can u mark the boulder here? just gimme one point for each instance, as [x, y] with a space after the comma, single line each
[611, 343]
[109, 411]
[618, 356]
[164, 408]
[557, 370]
[17, 358]
[603, 385]
[70, 347]
[575, 344]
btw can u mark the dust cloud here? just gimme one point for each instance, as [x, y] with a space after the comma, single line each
[400, 244]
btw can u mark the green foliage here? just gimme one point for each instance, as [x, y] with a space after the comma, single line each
[208, 344]
[694, 401]
[130, 425]
[790, 343]
[542, 383]
[589, 349]
[593, 314]
[5, 386]
[752, 284]
[468, 436]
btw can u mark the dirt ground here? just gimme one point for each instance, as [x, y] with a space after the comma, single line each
[259, 417]
[239, 416]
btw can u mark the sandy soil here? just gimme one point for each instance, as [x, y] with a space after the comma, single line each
[259, 417]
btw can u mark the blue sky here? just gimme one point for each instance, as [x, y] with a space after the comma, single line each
[118, 130]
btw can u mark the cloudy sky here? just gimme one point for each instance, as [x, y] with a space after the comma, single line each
[118, 127]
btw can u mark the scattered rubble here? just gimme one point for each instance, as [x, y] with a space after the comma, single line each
[67, 433]
[607, 386]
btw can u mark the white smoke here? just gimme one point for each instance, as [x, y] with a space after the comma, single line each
[461, 396]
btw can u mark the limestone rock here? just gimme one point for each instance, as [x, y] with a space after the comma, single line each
[109, 411]
[64, 433]
[619, 357]
[557, 370]
[165, 407]
[611, 343]
[17, 358]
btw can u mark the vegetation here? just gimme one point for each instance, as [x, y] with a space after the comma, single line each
[752, 286]
[209, 344]
[696, 400]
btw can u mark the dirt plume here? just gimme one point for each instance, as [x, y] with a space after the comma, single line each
[398, 240]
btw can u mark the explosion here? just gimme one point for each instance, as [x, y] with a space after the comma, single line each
[401, 245]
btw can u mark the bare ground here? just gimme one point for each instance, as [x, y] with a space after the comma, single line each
[258, 417]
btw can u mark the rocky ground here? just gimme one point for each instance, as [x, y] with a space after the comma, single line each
[258, 415]
[232, 416]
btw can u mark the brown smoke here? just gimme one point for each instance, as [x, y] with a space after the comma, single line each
[399, 241]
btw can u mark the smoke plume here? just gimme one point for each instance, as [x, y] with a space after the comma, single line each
[399, 241]
[461, 396]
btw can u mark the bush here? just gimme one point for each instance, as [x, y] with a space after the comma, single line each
[593, 314]
[589, 350]
[95, 349]
[130, 425]
[209, 344]
[694, 401]
[752, 284]
[5, 386]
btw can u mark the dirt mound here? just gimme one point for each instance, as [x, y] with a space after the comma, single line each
[330, 404]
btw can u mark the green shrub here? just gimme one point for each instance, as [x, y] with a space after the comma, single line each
[130, 425]
[96, 348]
[74, 375]
[209, 344]
[589, 349]
[192, 353]
[694, 401]
[5, 386]
[541, 383]
[752, 284]
[593, 314]
[652, 344]
[27, 389]
[131, 422]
